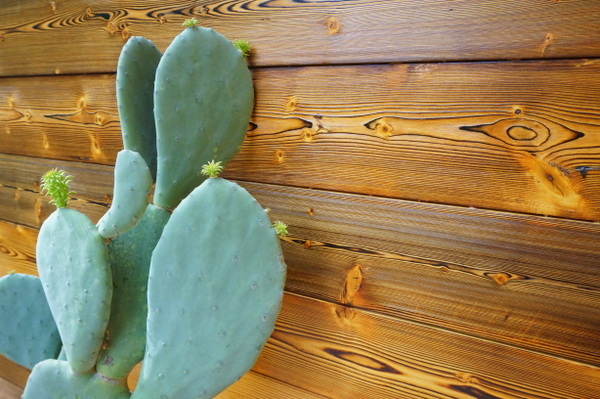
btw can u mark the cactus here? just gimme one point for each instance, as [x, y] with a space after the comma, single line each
[203, 99]
[73, 266]
[28, 334]
[133, 182]
[191, 283]
[208, 250]
[135, 97]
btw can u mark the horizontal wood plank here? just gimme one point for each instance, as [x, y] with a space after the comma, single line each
[9, 391]
[531, 282]
[73, 36]
[13, 373]
[522, 137]
[341, 352]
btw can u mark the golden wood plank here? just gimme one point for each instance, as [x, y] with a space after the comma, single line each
[73, 36]
[342, 352]
[521, 137]
[9, 391]
[17, 249]
[12, 372]
[525, 281]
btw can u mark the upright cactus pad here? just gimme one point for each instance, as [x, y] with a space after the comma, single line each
[135, 97]
[133, 182]
[215, 288]
[28, 333]
[73, 267]
[129, 256]
[203, 99]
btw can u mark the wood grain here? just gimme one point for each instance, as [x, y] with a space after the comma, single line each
[9, 391]
[521, 137]
[526, 281]
[74, 36]
[17, 249]
[12, 372]
[341, 352]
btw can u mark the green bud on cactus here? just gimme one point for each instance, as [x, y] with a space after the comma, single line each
[212, 169]
[56, 185]
[280, 228]
[190, 23]
[243, 46]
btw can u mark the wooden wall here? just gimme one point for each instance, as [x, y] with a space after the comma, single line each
[438, 163]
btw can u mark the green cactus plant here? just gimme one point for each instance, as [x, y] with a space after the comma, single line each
[28, 334]
[191, 283]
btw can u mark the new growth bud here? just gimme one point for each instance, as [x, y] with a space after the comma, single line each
[56, 185]
[212, 169]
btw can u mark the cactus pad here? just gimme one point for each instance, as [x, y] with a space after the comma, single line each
[129, 256]
[215, 288]
[28, 333]
[203, 98]
[74, 270]
[133, 182]
[54, 379]
[135, 91]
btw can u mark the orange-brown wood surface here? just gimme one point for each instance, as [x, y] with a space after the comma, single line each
[75, 36]
[443, 216]
[526, 134]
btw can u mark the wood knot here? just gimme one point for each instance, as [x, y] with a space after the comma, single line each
[279, 156]
[290, 104]
[307, 135]
[466, 378]
[353, 283]
[548, 41]
[333, 25]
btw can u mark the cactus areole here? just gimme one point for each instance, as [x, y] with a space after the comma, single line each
[155, 280]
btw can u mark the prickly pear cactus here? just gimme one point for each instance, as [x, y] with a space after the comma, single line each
[135, 97]
[192, 283]
[28, 334]
[208, 279]
[73, 267]
[56, 379]
[203, 98]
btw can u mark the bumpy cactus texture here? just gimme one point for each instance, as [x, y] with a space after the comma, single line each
[203, 99]
[135, 97]
[208, 250]
[190, 284]
[129, 256]
[28, 334]
[54, 379]
[133, 182]
[73, 267]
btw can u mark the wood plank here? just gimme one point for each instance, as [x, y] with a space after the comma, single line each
[342, 352]
[9, 391]
[73, 36]
[526, 281]
[496, 135]
[17, 249]
[336, 351]
[12, 372]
